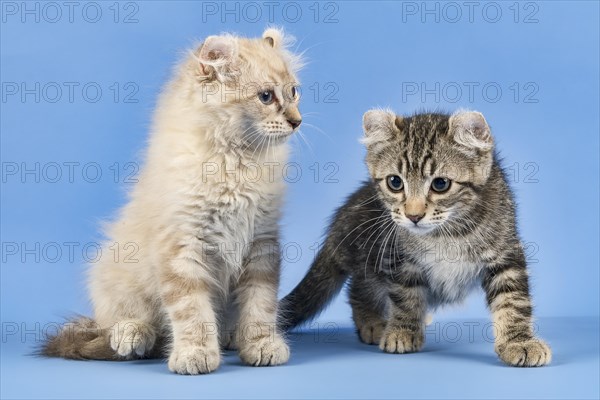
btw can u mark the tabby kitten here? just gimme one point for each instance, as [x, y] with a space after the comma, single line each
[204, 218]
[436, 219]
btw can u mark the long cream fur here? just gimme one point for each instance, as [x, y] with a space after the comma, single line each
[203, 218]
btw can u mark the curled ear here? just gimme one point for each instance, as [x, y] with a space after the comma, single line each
[380, 125]
[217, 56]
[470, 129]
[274, 37]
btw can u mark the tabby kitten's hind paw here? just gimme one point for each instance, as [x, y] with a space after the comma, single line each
[371, 333]
[531, 353]
[398, 340]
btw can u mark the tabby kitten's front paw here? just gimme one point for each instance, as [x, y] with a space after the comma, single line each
[194, 360]
[531, 353]
[399, 340]
[264, 351]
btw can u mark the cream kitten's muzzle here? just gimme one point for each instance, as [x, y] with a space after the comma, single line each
[293, 116]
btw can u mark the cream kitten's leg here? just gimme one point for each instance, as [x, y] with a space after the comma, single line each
[258, 341]
[121, 308]
[186, 295]
[228, 331]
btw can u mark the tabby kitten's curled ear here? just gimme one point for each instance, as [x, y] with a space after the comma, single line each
[380, 125]
[471, 132]
[217, 57]
[470, 129]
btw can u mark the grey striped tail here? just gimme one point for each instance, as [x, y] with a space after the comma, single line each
[321, 284]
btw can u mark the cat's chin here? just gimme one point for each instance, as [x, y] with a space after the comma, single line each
[279, 138]
[419, 230]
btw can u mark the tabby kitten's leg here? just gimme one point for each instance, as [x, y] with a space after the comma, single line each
[404, 332]
[368, 298]
[257, 338]
[507, 291]
[186, 295]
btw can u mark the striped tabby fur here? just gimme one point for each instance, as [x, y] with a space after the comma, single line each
[464, 236]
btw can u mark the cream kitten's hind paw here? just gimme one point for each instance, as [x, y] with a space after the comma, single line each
[264, 351]
[397, 340]
[194, 360]
[132, 338]
[531, 353]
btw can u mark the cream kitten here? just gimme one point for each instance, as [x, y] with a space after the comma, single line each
[204, 216]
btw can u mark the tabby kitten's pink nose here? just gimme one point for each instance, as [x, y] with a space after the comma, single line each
[415, 218]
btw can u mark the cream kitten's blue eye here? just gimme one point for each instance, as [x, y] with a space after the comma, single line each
[395, 183]
[440, 185]
[266, 97]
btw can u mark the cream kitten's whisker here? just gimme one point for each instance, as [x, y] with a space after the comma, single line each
[262, 139]
[319, 130]
[255, 135]
[310, 148]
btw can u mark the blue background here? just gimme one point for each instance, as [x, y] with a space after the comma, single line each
[361, 55]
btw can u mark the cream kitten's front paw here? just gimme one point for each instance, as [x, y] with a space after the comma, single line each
[131, 338]
[531, 353]
[194, 360]
[398, 340]
[264, 351]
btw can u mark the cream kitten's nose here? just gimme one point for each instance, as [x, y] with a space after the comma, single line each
[293, 117]
[294, 122]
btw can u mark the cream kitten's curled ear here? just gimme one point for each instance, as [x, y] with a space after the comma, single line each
[274, 36]
[471, 130]
[380, 125]
[217, 56]
[282, 42]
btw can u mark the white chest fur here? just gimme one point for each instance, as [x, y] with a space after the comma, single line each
[451, 269]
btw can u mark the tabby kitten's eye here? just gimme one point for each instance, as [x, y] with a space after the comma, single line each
[266, 97]
[440, 185]
[395, 183]
[294, 92]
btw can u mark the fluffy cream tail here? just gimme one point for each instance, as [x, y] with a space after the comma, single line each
[80, 339]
